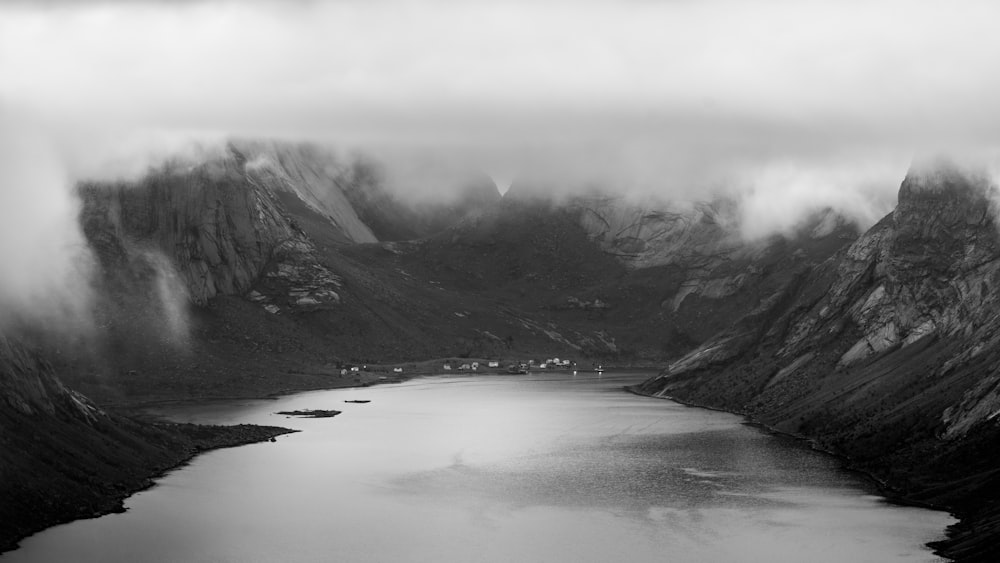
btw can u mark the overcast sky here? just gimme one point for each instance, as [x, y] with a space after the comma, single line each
[790, 103]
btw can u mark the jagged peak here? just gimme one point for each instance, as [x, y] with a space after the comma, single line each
[942, 194]
[945, 177]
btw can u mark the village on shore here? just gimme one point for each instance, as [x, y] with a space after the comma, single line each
[480, 365]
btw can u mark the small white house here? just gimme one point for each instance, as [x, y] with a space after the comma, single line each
[494, 364]
[397, 370]
[447, 367]
[355, 369]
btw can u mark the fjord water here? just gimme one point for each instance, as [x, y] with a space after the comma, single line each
[499, 468]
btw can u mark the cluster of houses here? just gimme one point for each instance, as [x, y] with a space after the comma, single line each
[521, 366]
[555, 363]
[358, 369]
[516, 367]
[472, 366]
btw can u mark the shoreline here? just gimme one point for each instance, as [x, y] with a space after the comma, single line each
[319, 379]
[246, 434]
[113, 502]
[138, 407]
[225, 436]
[888, 493]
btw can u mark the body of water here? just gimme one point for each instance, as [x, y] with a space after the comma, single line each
[499, 468]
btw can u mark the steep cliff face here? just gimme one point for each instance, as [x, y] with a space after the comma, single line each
[886, 352]
[314, 176]
[232, 223]
[352, 193]
[220, 227]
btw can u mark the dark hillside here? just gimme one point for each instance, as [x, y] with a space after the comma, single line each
[64, 458]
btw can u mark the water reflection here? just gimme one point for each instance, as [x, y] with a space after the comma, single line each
[500, 469]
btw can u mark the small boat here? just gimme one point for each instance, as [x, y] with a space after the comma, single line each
[357, 401]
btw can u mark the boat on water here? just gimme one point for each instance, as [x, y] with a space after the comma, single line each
[358, 401]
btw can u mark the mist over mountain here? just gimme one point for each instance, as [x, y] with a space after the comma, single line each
[789, 209]
[267, 265]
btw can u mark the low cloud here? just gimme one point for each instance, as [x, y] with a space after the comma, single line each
[46, 265]
[787, 105]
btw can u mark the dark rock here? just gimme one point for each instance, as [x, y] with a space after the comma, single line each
[311, 413]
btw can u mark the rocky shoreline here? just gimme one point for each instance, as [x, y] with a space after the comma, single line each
[176, 446]
[966, 540]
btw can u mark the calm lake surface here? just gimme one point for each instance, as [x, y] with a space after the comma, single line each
[499, 468]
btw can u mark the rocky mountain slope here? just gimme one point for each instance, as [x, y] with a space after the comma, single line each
[887, 353]
[241, 262]
[65, 458]
[276, 258]
[666, 277]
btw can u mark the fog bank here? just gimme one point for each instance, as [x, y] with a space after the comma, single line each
[46, 265]
[787, 106]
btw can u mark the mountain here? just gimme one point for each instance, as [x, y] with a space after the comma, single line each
[264, 267]
[885, 353]
[251, 260]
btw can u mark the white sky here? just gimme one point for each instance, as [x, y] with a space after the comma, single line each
[792, 104]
